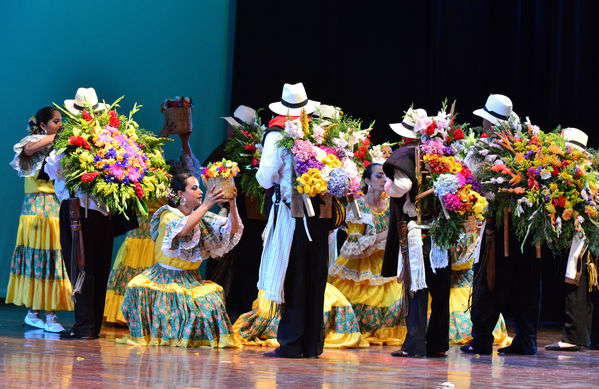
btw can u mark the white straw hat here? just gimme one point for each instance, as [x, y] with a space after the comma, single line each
[497, 107]
[242, 113]
[293, 100]
[406, 127]
[575, 137]
[327, 112]
[83, 98]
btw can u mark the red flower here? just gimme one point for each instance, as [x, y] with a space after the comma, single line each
[89, 177]
[484, 135]
[555, 171]
[533, 184]
[114, 119]
[458, 134]
[430, 130]
[560, 201]
[139, 190]
[255, 162]
[366, 163]
[87, 116]
[250, 148]
[466, 172]
[79, 141]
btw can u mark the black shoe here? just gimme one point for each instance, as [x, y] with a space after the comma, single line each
[439, 354]
[557, 347]
[275, 354]
[515, 349]
[74, 335]
[468, 349]
[405, 354]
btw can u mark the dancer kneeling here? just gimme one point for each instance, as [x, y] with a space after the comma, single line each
[169, 304]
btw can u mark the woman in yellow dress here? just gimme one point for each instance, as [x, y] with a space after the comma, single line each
[38, 277]
[169, 304]
[376, 300]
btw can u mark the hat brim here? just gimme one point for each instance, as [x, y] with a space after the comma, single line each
[70, 106]
[577, 147]
[231, 121]
[400, 130]
[280, 109]
[485, 115]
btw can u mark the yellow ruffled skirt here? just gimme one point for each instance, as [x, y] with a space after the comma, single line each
[460, 324]
[38, 277]
[164, 307]
[376, 300]
[256, 328]
[134, 256]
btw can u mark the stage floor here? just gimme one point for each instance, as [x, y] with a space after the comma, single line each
[30, 358]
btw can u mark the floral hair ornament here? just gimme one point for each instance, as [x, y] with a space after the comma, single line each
[172, 197]
[33, 128]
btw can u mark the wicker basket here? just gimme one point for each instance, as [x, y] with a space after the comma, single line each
[181, 117]
[226, 184]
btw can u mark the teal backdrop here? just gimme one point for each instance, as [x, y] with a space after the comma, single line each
[146, 50]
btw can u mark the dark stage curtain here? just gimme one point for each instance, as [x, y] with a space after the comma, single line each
[375, 58]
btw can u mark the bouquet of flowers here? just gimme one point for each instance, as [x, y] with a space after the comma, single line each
[452, 182]
[329, 155]
[219, 175]
[179, 111]
[245, 148]
[110, 158]
[551, 187]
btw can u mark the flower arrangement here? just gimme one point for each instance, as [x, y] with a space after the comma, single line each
[452, 182]
[177, 102]
[110, 158]
[245, 148]
[329, 154]
[219, 175]
[551, 187]
[223, 169]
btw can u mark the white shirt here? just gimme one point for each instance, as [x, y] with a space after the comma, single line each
[54, 170]
[275, 166]
[401, 186]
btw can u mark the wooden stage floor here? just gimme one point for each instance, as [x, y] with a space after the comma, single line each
[30, 358]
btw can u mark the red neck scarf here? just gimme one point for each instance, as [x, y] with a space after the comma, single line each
[280, 120]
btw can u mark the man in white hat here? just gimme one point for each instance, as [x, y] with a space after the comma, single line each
[98, 232]
[504, 282]
[408, 258]
[294, 263]
[580, 330]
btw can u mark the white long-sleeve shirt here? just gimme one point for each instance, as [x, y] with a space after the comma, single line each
[275, 166]
[401, 186]
[54, 170]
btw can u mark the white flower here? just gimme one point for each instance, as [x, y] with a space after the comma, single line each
[320, 153]
[293, 128]
[187, 100]
[483, 152]
[545, 174]
[259, 148]
[490, 158]
[325, 172]
[318, 134]
[340, 141]
[377, 153]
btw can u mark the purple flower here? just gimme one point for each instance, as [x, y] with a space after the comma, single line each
[338, 184]
[303, 166]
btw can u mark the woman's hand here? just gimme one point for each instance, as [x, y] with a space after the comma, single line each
[381, 236]
[232, 201]
[213, 197]
[168, 129]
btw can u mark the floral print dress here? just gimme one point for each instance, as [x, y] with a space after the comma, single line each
[169, 303]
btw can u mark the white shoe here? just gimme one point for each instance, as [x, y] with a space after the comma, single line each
[52, 324]
[33, 319]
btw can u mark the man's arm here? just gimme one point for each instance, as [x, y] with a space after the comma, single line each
[271, 161]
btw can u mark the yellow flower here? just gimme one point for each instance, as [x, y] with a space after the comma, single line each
[332, 161]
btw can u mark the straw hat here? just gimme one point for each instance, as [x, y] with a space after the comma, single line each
[293, 100]
[83, 98]
[242, 113]
[497, 107]
[327, 112]
[575, 137]
[406, 127]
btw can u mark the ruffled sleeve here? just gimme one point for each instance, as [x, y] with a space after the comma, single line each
[28, 166]
[185, 247]
[361, 237]
[219, 241]
[210, 238]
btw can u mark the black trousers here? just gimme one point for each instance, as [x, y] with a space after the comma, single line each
[98, 234]
[517, 293]
[578, 311]
[301, 329]
[434, 338]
